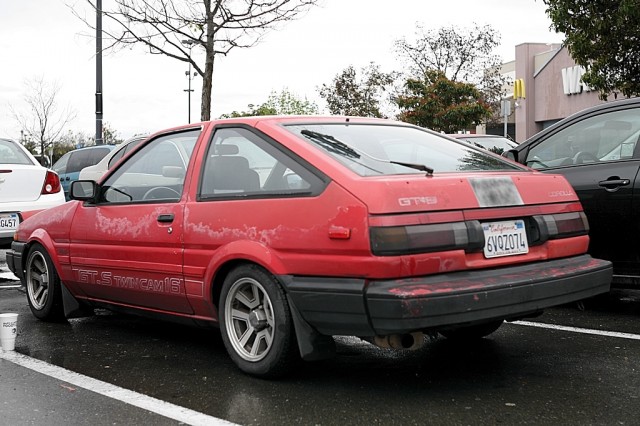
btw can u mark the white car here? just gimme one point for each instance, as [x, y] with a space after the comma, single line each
[26, 187]
[96, 171]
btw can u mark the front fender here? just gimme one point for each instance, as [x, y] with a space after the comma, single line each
[41, 237]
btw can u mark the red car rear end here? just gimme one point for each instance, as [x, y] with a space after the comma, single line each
[288, 231]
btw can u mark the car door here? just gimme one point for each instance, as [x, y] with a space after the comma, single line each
[241, 191]
[60, 167]
[127, 246]
[598, 154]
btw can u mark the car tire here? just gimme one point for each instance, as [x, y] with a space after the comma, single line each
[44, 291]
[256, 324]
[472, 332]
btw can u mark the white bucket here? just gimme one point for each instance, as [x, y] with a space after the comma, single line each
[8, 331]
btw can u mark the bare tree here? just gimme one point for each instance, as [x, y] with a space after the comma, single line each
[174, 27]
[349, 95]
[44, 121]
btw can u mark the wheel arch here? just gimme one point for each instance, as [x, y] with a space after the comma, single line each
[40, 236]
[236, 254]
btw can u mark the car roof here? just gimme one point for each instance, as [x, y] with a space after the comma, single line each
[474, 135]
[286, 119]
[84, 148]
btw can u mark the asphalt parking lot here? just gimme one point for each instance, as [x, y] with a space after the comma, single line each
[575, 364]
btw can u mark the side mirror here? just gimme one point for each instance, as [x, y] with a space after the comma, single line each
[173, 172]
[294, 181]
[511, 154]
[83, 190]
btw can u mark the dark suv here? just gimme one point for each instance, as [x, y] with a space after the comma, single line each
[597, 151]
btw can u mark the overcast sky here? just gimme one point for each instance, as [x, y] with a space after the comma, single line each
[144, 93]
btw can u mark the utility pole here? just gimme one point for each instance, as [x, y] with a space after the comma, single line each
[99, 140]
[189, 44]
[189, 90]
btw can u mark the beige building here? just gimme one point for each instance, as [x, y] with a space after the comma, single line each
[547, 88]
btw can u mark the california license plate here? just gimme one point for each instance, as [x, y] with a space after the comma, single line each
[507, 238]
[8, 221]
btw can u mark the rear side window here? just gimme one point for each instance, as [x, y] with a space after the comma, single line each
[10, 153]
[375, 149]
[240, 163]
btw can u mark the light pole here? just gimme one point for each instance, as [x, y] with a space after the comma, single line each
[189, 43]
[99, 112]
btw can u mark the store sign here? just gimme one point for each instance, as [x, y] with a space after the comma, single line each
[572, 80]
[518, 89]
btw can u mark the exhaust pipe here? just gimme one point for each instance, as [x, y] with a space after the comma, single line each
[410, 341]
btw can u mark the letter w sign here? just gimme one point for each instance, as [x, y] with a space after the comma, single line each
[572, 80]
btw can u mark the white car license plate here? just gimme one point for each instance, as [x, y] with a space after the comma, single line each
[8, 221]
[505, 238]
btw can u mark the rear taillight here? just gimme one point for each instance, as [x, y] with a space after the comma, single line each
[469, 235]
[397, 240]
[51, 183]
[562, 225]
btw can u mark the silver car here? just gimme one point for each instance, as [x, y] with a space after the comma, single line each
[96, 171]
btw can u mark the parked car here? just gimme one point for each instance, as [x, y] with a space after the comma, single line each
[25, 188]
[43, 160]
[286, 231]
[96, 171]
[69, 165]
[493, 143]
[597, 151]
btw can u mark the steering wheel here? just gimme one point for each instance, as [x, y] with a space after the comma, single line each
[584, 157]
[161, 193]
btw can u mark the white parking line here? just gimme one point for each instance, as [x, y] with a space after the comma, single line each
[7, 276]
[148, 403]
[579, 330]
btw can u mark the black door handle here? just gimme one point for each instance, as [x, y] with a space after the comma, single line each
[614, 182]
[165, 218]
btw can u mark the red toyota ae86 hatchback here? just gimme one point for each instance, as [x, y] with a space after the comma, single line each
[286, 231]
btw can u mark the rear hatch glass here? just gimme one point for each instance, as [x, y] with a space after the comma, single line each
[385, 149]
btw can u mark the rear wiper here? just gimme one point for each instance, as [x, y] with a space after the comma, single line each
[334, 145]
[420, 167]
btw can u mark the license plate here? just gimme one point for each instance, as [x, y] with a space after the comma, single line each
[507, 238]
[8, 222]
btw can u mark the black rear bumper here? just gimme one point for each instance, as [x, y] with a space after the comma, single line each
[365, 308]
[14, 259]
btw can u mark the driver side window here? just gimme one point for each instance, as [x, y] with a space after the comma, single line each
[155, 173]
[606, 137]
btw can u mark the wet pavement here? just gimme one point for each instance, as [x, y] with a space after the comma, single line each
[583, 374]
[6, 277]
[39, 393]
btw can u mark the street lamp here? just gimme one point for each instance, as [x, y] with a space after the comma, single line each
[190, 76]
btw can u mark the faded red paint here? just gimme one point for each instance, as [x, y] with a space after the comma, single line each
[325, 235]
